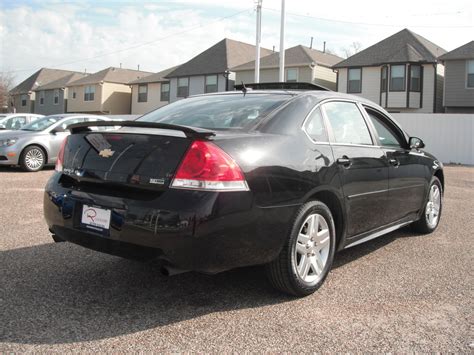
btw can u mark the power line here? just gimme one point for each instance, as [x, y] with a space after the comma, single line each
[369, 24]
[140, 44]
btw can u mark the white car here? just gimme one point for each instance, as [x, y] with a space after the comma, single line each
[14, 121]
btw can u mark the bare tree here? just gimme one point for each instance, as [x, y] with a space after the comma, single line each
[352, 49]
[6, 84]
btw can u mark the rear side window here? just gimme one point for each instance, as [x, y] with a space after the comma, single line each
[315, 128]
[347, 123]
[218, 111]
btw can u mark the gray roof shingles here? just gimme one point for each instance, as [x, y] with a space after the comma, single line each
[62, 82]
[154, 78]
[43, 76]
[403, 46]
[111, 75]
[216, 59]
[466, 51]
[294, 56]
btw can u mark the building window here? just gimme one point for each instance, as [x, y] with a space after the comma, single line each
[143, 93]
[415, 78]
[397, 78]
[89, 93]
[355, 80]
[383, 81]
[291, 75]
[56, 97]
[470, 74]
[74, 93]
[41, 98]
[165, 92]
[183, 87]
[211, 83]
[24, 99]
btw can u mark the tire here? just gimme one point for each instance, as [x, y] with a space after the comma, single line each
[286, 272]
[433, 207]
[32, 158]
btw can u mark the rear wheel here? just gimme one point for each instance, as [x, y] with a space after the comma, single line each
[32, 158]
[305, 260]
[432, 209]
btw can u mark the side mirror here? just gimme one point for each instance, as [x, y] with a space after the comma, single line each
[58, 129]
[416, 143]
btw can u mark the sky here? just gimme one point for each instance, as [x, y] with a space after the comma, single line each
[155, 35]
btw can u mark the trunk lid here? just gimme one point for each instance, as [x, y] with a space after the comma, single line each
[126, 158]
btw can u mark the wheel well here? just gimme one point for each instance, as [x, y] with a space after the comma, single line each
[39, 146]
[440, 175]
[334, 205]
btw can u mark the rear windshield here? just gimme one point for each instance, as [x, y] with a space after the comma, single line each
[218, 111]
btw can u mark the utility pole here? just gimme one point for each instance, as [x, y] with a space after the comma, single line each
[282, 43]
[257, 44]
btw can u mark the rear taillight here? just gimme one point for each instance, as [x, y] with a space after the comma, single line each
[60, 161]
[207, 167]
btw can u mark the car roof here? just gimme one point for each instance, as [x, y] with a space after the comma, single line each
[320, 94]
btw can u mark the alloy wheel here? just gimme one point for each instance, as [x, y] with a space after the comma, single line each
[312, 248]
[34, 159]
[433, 206]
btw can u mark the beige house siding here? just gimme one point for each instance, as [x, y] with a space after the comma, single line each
[325, 77]
[79, 105]
[116, 99]
[397, 101]
[153, 99]
[109, 98]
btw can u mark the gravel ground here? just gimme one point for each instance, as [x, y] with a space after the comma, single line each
[399, 293]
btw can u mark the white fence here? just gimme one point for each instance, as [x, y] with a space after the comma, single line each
[447, 136]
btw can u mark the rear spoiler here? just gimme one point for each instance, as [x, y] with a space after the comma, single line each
[188, 131]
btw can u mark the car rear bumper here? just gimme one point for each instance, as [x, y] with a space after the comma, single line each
[192, 230]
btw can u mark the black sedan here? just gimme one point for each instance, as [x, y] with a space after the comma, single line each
[273, 177]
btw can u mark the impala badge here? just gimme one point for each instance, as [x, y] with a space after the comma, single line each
[106, 153]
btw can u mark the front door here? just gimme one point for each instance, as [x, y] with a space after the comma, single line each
[362, 166]
[407, 175]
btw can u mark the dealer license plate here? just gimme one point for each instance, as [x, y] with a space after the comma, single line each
[95, 218]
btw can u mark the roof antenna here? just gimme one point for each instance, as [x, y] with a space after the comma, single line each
[311, 44]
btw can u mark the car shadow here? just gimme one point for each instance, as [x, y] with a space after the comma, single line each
[62, 293]
[17, 169]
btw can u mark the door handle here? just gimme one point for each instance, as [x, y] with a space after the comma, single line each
[345, 161]
[394, 162]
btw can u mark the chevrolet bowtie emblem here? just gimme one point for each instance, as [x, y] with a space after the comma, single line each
[106, 153]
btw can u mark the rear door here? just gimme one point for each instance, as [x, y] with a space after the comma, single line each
[362, 166]
[407, 181]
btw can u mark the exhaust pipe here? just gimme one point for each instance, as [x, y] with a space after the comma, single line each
[168, 270]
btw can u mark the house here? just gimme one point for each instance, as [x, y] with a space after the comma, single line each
[23, 96]
[51, 98]
[209, 71]
[302, 64]
[150, 92]
[104, 92]
[459, 79]
[401, 73]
